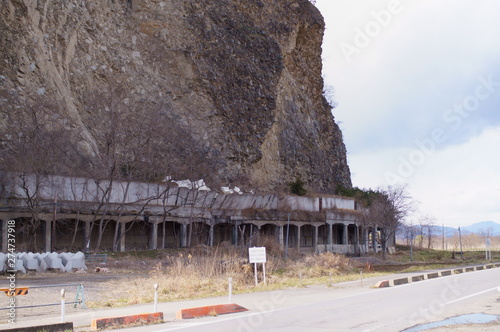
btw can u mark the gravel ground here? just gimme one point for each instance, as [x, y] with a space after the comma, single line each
[96, 287]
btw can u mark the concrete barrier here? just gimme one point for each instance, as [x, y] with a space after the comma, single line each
[210, 310]
[382, 284]
[401, 281]
[30, 262]
[432, 275]
[53, 261]
[418, 278]
[121, 321]
[19, 264]
[78, 261]
[40, 262]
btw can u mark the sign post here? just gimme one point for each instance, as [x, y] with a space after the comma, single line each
[258, 255]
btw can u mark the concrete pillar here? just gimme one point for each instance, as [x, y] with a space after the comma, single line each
[366, 238]
[48, 236]
[235, 235]
[281, 237]
[251, 239]
[163, 236]
[5, 236]
[374, 239]
[184, 235]
[123, 228]
[153, 236]
[357, 249]
[345, 235]
[211, 236]
[315, 239]
[330, 237]
[86, 236]
[298, 238]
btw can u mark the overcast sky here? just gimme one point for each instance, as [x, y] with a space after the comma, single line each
[418, 90]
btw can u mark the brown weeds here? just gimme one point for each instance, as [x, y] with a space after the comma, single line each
[204, 271]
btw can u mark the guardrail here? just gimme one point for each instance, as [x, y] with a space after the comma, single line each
[23, 291]
[96, 258]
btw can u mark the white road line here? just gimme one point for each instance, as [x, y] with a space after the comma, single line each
[471, 295]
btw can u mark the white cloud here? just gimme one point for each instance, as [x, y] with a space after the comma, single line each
[400, 87]
[461, 184]
[458, 185]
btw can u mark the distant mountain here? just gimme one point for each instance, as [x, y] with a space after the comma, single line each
[449, 231]
[483, 227]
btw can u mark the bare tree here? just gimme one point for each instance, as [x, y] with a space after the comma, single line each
[428, 224]
[406, 232]
[35, 143]
[387, 211]
[136, 141]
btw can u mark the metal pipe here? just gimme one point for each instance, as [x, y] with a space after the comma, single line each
[47, 286]
[156, 298]
[42, 305]
[63, 307]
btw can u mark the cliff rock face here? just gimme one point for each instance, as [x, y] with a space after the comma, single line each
[242, 78]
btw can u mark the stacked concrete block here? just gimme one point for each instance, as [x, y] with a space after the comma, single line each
[3, 261]
[20, 263]
[78, 261]
[72, 261]
[53, 261]
[65, 262]
[29, 261]
[42, 264]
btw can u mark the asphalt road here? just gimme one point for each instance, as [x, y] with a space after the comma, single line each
[349, 306]
[354, 309]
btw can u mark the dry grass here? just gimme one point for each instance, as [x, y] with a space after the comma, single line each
[204, 271]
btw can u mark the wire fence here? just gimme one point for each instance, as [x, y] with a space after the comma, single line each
[41, 300]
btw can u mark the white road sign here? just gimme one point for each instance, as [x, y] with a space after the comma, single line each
[257, 254]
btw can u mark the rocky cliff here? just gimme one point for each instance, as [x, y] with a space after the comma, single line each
[241, 79]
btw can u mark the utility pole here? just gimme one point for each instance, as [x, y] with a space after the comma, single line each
[488, 250]
[460, 236]
[411, 242]
[443, 237]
